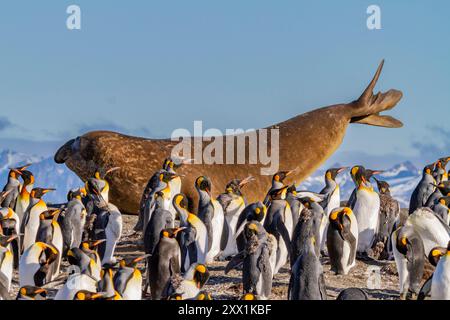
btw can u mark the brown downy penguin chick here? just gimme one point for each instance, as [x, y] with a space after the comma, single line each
[389, 215]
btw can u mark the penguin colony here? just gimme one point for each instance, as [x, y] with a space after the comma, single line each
[291, 229]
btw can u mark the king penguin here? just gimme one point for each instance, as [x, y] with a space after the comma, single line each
[194, 238]
[73, 219]
[188, 286]
[36, 264]
[253, 212]
[366, 209]
[257, 273]
[164, 263]
[332, 200]
[211, 213]
[277, 183]
[23, 199]
[128, 279]
[50, 233]
[442, 209]
[161, 219]
[279, 223]
[30, 224]
[307, 281]
[423, 190]
[409, 257]
[13, 187]
[342, 240]
[233, 203]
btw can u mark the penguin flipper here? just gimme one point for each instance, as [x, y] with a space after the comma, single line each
[346, 234]
[282, 230]
[352, 200]
[3, 287]
[224, 238]
[235, 262]
[322, 287]
[425, 290]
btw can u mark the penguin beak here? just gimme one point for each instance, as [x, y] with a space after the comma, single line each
[136, 260]
[96, 243]
[110, 171]
[341, 169]
[11, 238]
[291, 172]
[178, 230]
[246, 181]
[40, 290]
[4, 194]
[44, 191]
[18, 172]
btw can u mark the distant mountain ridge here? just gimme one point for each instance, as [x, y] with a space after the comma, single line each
[48, 174]
[402, 177]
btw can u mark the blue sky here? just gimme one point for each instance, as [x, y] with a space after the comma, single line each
[148, 67]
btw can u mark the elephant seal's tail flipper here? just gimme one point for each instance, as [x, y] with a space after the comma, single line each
[367, 108]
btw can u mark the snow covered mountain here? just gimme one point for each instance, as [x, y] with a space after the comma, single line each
[48, 174]
[402, 178]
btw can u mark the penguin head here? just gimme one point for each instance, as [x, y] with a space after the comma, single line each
[292, 190]
[50, 214]
[445, 201]
[249, 296]
[354, 171]
[383, 186]
[338, 215]
[92, 187]
[38, 193]
[332, 173]
[171, 233]
[14, 173]
[132, 262]
[444, 187]
[5, 240]
[369, 173]
[181, 201]
[306, 201]
[403, 241]
[168, 164]
[203, 295]
[200, 275]
[88, 295]
[27, 177]
[259, 211]
[91, 244]
[75, 256]
[167, 176]
[203, 183]
[280, 176]
[235, 185]
[436, 254]
[253, 229]
[32, 293]
[278, 194]
[76, 194]
[428, 169]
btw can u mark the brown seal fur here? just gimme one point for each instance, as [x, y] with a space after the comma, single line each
[306, 141]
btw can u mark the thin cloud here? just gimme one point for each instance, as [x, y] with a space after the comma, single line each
[436, 146]
[5, 124]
